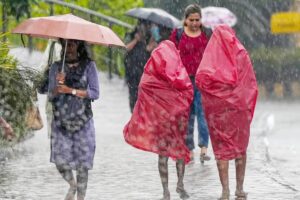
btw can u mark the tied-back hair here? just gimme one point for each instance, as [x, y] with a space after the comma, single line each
[191, 9]
[82, 50]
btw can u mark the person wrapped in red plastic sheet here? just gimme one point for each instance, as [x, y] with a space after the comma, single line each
[227, 81]
[160, 116]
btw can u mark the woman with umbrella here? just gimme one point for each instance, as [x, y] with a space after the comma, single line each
[73, 132]
[136, 57]
[71, 92]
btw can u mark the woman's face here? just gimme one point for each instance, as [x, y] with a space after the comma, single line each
[72, 46]
[193, 22]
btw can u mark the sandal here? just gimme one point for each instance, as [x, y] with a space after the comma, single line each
[191, 157]
[225, 195]
[240, 195]
[182, 193]
[204, 157]
[166, 196]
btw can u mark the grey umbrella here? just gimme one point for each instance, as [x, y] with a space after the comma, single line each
[155, 15]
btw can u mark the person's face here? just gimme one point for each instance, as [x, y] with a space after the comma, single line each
[72, 47]
[193, 22]
[142, 29]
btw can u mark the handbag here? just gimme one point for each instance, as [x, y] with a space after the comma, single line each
[33, 118]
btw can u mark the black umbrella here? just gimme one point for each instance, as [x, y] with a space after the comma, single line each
[155, 15]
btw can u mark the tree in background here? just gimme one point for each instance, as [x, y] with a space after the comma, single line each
[16, 9]
[15, 92]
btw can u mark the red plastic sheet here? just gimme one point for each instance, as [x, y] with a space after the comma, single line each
[160, 116]
[229, 91]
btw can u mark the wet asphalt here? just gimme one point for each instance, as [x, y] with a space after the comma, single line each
[122, 172]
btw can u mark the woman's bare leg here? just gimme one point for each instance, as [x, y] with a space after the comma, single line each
[240, 166]
[82, 180]
[67, 175]
[223, 166]
[180, 166]
[163, 172]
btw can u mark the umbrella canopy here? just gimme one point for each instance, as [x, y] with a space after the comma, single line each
[213, 16]
[155, 15]
[68, 27]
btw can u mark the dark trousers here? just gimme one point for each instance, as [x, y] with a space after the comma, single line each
[133, 94]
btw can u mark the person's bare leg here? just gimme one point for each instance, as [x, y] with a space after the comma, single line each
[82, 181]
[223, 166]
[67, 175]
[240, 166]
[163, 172]
[180, 167]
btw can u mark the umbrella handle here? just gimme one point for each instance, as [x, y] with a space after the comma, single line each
[64, 58]
[63, 63]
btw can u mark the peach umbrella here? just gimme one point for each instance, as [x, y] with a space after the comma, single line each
[68, 27]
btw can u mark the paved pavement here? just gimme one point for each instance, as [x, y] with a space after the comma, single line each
[122, 172]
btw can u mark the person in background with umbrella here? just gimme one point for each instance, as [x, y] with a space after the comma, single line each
[191, 40]
[73, 132]
[159, 33]
[136, 57]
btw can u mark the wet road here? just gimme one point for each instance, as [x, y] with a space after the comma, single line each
[124, 173]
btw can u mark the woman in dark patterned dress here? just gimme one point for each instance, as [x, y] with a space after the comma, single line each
[73, 131]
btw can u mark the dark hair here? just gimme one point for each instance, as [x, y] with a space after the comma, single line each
[82, 50]
[164, 32]
[191, 9]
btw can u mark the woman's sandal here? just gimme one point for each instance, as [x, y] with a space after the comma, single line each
[204, 157]
[225, 195]
[166, 196]
[240, 195]
[182, 193]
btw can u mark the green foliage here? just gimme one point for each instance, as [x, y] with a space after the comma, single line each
[18, 8]
[5, 60]
[15, 91]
